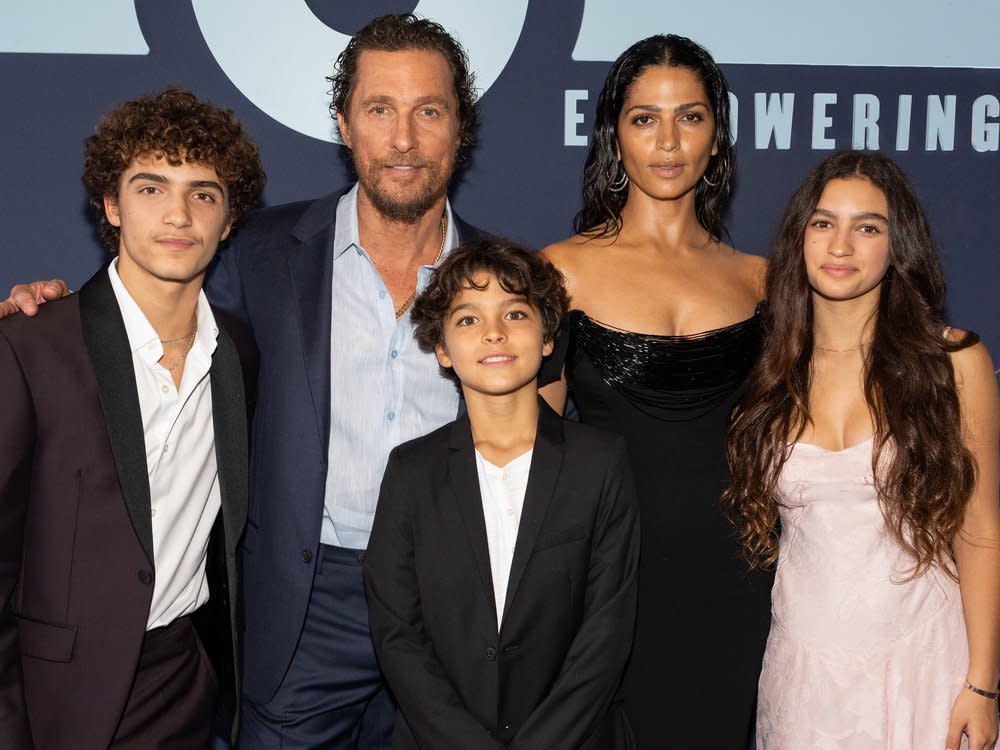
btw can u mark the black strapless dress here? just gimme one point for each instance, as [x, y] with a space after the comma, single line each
[703, 618]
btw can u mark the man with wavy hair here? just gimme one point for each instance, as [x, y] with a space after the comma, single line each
[123, 453]
[326, 286]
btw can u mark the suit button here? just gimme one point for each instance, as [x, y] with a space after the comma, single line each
[307, 556]
[491, 653]
[145, 577]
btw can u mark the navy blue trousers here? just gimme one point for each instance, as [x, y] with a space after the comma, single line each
[333, 695]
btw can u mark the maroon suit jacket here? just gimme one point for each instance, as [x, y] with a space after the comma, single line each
[76, 563]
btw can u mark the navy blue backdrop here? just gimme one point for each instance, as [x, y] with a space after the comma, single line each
[917, 79]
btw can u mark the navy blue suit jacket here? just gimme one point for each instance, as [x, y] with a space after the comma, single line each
[276, 274]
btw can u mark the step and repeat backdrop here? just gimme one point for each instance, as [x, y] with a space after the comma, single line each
[916, 79]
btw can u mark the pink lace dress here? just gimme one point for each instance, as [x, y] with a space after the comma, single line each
[858, 657]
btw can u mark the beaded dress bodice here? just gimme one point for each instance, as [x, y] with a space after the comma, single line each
[671, 376]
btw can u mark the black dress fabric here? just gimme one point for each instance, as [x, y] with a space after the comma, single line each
[703, 618]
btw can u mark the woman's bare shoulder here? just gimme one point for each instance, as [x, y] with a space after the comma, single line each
[752, 268]
[575, 254]
[579, 259]
[567, 249]
[750, 261]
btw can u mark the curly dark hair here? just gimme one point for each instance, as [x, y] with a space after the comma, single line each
[602, 206]
[518, 269]
[178, 126]
[405, 31]
[924, 474]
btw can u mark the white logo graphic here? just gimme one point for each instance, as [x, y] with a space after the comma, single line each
[278, 53]
[889, 33]
[109, 27]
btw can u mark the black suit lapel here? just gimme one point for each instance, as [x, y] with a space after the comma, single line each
[464, 481]
[107, 343]
[221, 616]
[311, 268]
[546, 461]
[229, 418]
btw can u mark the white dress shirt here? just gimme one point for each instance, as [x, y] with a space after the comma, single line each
[180, 457]
[383, 389]
[502, 489]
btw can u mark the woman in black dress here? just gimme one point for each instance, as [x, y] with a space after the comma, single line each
[666, 324]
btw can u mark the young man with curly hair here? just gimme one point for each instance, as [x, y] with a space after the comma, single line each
[123, 453]
[501, 571]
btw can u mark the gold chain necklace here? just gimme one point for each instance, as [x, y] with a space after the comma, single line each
[190, 343]
[189, 337]
[409, 300]
[841, 351]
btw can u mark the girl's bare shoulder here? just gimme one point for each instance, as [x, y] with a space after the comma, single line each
[972, 364]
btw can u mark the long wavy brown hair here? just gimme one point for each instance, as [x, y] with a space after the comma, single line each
[602, 204]
[924, 475]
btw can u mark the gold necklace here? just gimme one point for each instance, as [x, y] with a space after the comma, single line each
[841, 351]
[190, 343]
[189, 337]
[409, 300]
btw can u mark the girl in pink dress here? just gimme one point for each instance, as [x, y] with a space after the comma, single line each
[865, 463]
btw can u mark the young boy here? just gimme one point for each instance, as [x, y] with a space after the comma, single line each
[501, 570]
[123, 452]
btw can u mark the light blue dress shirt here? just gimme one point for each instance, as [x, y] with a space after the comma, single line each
[383, 389]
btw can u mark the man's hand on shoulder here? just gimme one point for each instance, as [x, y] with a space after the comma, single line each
[27, 297]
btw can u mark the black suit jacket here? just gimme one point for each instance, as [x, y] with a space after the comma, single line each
[76, 540]
[549, 680]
